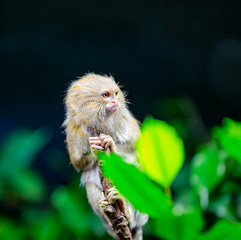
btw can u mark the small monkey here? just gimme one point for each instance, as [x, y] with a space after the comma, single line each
[97, 118]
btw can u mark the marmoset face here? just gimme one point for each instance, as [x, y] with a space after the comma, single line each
[96, 95]
[111, 100]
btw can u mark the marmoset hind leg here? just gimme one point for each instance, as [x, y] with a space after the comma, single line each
[101, 205]
[95, 194]
[135, 218]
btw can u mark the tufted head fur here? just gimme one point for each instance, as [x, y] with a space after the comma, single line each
[86, 107]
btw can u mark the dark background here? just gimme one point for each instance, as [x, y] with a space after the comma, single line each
[154, 49]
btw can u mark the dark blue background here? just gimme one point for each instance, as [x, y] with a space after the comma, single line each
[155, 49]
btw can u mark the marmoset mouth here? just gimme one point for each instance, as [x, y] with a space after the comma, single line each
[112, 107]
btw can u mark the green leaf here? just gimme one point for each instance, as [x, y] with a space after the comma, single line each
[48, 228]
[41, 224]
[71, 210]
[160, 151]
[221, 207]
[9, 230]
[222, 230]
[230, 187]
[183, 224]
[135, 186]
[187, 197]
[229, 137]
[207, 170]
[20, 148]
[28, 185]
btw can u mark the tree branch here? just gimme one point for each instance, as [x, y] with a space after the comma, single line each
[117, 217]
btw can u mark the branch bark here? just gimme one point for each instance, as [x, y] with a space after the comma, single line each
[117, 217]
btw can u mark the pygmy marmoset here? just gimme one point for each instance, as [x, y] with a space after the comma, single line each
[97, 118]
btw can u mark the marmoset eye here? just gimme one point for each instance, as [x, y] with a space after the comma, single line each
[116, 92]
[105, 95]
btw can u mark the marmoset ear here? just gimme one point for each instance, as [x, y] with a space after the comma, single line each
[73, 98]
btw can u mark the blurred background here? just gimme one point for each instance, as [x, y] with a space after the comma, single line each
[179, 61]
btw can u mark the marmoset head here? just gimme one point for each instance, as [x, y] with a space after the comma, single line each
[94, 96]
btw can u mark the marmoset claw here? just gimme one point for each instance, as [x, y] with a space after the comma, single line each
[114, 195]
[96, 147]
[105, 206]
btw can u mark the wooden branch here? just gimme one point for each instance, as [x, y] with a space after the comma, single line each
[117, 217]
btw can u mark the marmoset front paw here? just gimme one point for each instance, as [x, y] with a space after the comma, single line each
[95, 144]
[103, 142]
[108, 143]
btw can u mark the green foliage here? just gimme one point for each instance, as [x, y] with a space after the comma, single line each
[207, 174]
[207, 170]
[71, 209]
[20, 148]
[16, 155]
[159, 147]
[43, 225]
[229, 137]
[221, 206]
[26, 211]
[222, 230]
[74, 211]
[183, 224]
[195, 201]
[172, 221]
[135, 186]
[28, 185]
[10, 231]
